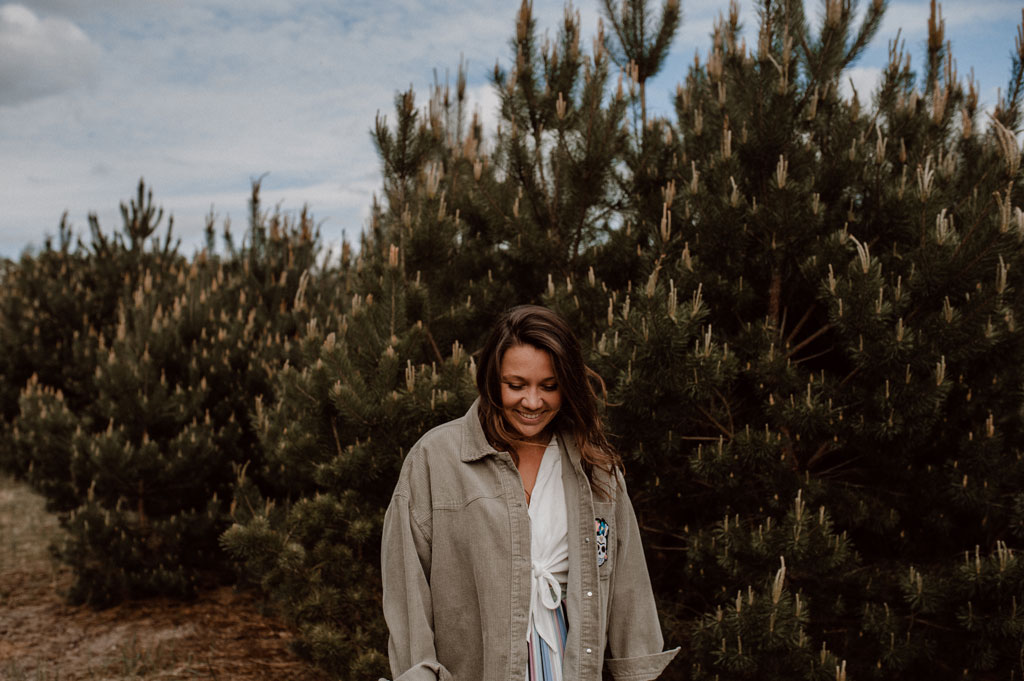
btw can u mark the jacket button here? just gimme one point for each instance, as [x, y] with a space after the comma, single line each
[586, 540]
[589, 651]
[589, 594]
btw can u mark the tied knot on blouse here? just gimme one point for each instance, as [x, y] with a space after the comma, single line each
[549, 544]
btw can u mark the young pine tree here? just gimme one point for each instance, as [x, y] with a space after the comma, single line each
[816, 374]
[133, 419]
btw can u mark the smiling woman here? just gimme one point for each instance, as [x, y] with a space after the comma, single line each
[530, 397]
[510, 547]
[530, 400]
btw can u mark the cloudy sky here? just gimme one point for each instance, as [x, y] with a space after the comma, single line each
[198, 97]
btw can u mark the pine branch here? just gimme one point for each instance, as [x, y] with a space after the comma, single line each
[805, 342]
[714, 421]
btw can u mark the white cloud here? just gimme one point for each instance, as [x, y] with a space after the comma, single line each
[486, 103]
[200, 99]
[199, 96]
[865, 79]
[40, 57]
[958, 16]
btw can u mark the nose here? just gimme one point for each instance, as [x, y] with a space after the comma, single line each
[533, 399]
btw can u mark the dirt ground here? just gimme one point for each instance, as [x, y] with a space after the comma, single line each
[221, 635]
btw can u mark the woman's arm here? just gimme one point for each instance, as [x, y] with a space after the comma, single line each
[634, 633]
[405, 572]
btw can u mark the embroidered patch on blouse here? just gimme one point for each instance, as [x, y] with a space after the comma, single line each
[601, 529]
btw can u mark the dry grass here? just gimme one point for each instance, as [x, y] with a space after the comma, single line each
[220, 635]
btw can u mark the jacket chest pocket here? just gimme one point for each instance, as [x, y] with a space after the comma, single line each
[604, 537]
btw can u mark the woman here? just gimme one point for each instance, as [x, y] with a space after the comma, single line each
[510, 548]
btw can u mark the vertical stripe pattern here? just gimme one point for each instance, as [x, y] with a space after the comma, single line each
[545, 663]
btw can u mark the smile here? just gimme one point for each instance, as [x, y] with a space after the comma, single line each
[530, 417]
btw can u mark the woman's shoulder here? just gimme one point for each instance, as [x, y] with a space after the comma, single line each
[437, 457]
[441, 446]
[610, 485]
[443, 438]
[607, 482]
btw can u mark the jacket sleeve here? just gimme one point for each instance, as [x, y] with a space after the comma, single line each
[634, 633]
[408, 609]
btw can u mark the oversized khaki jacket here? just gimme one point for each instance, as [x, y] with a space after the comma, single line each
[455, 560]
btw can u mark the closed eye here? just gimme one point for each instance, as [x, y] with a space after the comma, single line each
[548, 387]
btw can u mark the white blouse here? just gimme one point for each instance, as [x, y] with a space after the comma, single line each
[549, 545]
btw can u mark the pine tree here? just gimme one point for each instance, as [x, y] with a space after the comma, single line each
[133, 429]
[828, 316]
[344, 413]
[58, 302]
[804, 306]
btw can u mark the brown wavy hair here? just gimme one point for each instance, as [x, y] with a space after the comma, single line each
[545, 330]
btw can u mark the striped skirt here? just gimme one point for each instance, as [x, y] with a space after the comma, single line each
[546, 663]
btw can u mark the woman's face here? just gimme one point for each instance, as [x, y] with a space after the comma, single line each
[530, 394]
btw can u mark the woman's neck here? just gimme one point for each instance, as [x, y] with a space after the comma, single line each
[533, 446]
[530, 449]
[528, 456]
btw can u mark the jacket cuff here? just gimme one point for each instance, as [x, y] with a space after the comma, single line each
[642, 668]
[426, 671]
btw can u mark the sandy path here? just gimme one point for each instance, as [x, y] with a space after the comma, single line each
[220, 635]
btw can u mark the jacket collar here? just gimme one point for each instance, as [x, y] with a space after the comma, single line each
[475, 445]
